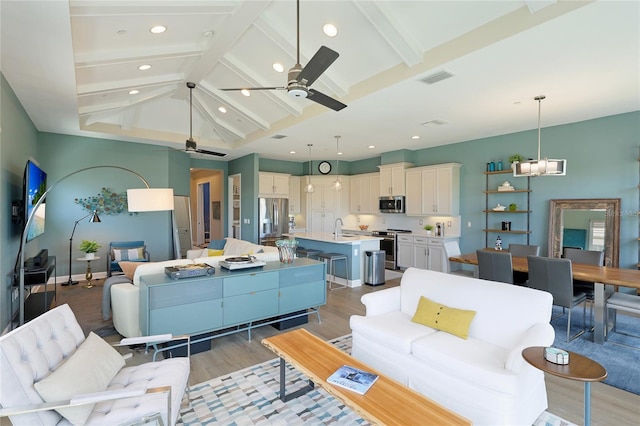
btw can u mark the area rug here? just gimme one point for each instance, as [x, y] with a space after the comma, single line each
[251, 397]
[619, 355]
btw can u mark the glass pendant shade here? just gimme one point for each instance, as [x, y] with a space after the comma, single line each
[308, 188]
[336, 184]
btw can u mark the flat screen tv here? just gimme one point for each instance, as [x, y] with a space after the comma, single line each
[35, 185]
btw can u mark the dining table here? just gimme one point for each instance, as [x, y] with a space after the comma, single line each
[606, 279]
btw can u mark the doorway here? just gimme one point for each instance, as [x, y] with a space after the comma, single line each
[234, 186]
[204, 212]
[207, 205]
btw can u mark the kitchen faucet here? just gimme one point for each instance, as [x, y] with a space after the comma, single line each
[337, 230]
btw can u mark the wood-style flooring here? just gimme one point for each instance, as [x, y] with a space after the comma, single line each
[610, 406]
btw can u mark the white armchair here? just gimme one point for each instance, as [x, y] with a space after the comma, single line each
[51, 374]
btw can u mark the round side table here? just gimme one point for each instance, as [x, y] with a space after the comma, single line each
[89, 275]
[580, 368]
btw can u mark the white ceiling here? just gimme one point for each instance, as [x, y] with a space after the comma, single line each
[72, 64]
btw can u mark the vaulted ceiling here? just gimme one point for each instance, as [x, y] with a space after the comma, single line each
[446, 71]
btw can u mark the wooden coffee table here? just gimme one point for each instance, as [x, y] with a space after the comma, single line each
[386, 402]
[580, 368]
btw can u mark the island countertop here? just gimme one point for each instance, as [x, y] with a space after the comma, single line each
[328, 237]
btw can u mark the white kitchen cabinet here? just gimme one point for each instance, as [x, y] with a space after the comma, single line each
[437, 258]
[322, 221]
[404, 251]
[275, 185]
[294, 195]
[392, 178]
[325, 205]
[433, 190]
[364, 193]
[420, 252]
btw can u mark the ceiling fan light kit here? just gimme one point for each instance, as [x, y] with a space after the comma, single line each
[540, 167]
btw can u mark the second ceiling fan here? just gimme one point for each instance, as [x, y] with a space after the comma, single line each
[299, 78]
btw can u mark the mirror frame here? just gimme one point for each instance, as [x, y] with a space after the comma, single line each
[612, 225]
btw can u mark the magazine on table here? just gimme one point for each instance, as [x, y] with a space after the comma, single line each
[353, 379]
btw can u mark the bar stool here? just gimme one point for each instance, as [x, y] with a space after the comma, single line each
[330, 259]
[310, 253]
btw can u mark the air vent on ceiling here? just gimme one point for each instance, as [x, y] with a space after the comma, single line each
[278, 136]
[434, 123]
[437, 77]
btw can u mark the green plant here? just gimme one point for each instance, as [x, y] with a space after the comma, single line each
[88, 246]
[428, 227]
[516, 157]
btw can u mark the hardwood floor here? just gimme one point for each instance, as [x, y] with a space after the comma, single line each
[610, 406]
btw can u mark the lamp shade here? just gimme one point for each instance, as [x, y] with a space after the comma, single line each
[150, 199]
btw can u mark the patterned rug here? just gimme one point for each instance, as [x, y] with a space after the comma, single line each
[250, 397]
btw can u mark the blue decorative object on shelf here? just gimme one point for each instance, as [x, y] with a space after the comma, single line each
[492, 166]
[500, 165]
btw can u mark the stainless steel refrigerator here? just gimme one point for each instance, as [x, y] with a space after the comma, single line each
[273, 220]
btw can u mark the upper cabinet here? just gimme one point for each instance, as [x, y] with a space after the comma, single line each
[275, 185]
[433, 190]
[294, 195]
[392, 178]
[365, 191]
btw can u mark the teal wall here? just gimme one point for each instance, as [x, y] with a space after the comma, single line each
[247, 167]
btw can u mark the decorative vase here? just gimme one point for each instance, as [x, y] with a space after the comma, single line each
[287, 250]
[89, 255]
[428, 233]
[513, 166]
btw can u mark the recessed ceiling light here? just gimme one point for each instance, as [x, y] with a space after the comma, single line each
[330, 30]
[246, 92]
[158, 29]
[222, 109]
[340, 153]
[292, 152]
[144, 67]
[134, 92]
[371, 146]
[278, 67]
[415, 137]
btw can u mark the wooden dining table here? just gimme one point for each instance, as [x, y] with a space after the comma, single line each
[607, 279]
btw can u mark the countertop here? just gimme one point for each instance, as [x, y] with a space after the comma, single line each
[328, 237]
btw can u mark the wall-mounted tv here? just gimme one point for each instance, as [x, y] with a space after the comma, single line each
[34, 186]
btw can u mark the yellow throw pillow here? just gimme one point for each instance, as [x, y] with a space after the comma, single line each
[215, 252]
[444, 318]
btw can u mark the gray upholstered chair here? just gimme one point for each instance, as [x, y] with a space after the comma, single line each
[522, 250]
[555, 276]
[131, 251]
[589, 257]
[495, 266]
[622, 302]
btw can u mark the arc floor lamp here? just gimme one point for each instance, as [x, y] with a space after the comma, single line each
[94, 219]
[138, 200]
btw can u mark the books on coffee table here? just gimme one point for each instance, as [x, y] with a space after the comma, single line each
[353, 379]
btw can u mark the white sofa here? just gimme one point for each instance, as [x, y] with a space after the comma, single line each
[49, 359]
[124, 292]
[484, 377]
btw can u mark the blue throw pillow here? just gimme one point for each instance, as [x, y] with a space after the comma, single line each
[217, 244]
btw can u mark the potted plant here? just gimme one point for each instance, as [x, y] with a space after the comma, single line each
[90, 248]
[428, 228]
[515, 158]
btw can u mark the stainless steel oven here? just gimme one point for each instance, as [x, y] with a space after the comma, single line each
[389, 244]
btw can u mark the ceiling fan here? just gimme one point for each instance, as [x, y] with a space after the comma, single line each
[191, 147]
[299, 78]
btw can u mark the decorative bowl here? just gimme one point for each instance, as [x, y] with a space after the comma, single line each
[364, 227]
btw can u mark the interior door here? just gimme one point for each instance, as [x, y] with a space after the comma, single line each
[181, 226]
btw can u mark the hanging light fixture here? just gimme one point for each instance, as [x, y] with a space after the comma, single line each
[308, 188]
[541, 167]
[337, 185]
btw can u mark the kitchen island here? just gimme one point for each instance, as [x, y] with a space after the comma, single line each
[350, 245]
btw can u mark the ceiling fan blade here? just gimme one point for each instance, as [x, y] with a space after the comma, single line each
[323, 58]
[254, 88]
[204, 151]
[325, 100]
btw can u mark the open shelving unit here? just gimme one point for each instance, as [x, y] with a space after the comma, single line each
[491, 195]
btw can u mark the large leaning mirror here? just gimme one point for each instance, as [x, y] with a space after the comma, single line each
[588, 224]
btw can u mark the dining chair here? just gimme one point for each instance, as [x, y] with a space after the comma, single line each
[555, 276]
[622, 302]
[522, 250]
[589, 257]
[495, 266]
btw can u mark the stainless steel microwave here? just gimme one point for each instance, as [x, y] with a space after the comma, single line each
[393, 204]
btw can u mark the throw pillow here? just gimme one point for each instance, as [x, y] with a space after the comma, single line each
[444, 318]
[217, 244]
[128, 253]
[129, 268]
[89, 369]
[215, 252]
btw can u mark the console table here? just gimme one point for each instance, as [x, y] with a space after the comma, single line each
[236, 300]
[40, 302]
